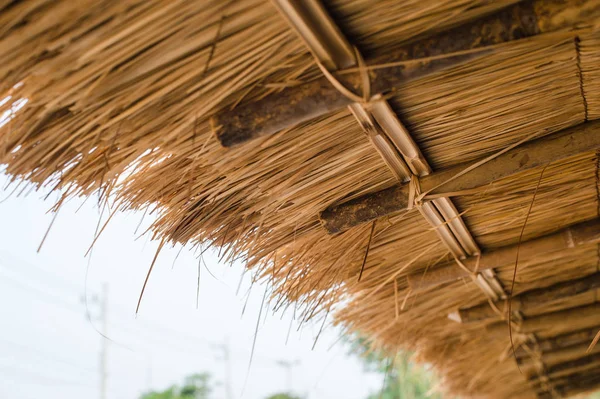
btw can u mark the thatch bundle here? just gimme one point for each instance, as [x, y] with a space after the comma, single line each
[122, 99]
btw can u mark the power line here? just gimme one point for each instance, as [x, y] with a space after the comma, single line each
[155, 327]
[74, 288]
[49, 356]
[169, 331]
[42, 354]
[40, 378]
[57, 301]
[61, 302]
[48, 297]
[9, 260]
[44, 380]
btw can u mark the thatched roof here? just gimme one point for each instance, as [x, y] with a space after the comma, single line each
[217, 117]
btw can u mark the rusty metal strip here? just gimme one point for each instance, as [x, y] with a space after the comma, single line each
[386, 132]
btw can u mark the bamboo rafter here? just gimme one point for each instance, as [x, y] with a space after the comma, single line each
[549, 359]
[554, 323]
[454, 181]
[386, 132]
[532, 299]
[572, 383]
[559, 243]
[560, 341]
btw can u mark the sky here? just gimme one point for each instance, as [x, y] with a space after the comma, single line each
[50, 348]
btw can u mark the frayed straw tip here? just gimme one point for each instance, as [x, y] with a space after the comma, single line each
[455, 316]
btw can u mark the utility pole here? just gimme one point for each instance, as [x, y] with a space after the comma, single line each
[104, 342]
[288, 366]
[102, 304]
[149, 373]
[226, 357]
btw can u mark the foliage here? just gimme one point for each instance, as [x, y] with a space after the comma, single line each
[283, 396]
[403, 378]
[196, 386]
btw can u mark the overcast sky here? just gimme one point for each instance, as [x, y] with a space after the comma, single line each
[49, 349]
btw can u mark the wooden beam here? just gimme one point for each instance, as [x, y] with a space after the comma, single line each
[552, 324]
[305, 102]
[582, 361]
[561, 341]
[569, 339]
[586, 363]
[560, 356]
[577, 377]
[532, 299]
[319, 97]
[573, 387]
[560, 242]
[569, 142]
[386, 133]
[579, 385]
[541, 383]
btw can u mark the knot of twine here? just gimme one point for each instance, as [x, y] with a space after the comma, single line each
[365, 81]
[473, 275]
[415, 197]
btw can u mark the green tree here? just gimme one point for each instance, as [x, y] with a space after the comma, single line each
[403, 378]
[196, 386]
[406, 380]
[283, 396]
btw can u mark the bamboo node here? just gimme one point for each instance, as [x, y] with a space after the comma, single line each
[415, 199]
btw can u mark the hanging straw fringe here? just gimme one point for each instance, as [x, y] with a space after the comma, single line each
[269, 193]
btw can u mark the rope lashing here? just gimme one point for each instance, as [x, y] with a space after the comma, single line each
[365, 81]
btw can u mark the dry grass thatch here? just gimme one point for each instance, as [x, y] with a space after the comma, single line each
[118, 100]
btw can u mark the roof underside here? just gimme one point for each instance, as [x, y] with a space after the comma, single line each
[120, 96]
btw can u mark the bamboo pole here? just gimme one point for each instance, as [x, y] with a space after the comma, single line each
[320, 33]
[388, 136]
[579, 385]
[560, 242]
[577, 366]
[572, 388]
[565, 384]
[558, 357]
[569, 339]
[580, 362]
[552, 324]
[561, 341]
[532, 299]
[569, 142]
[308, 101]
[311, 100]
